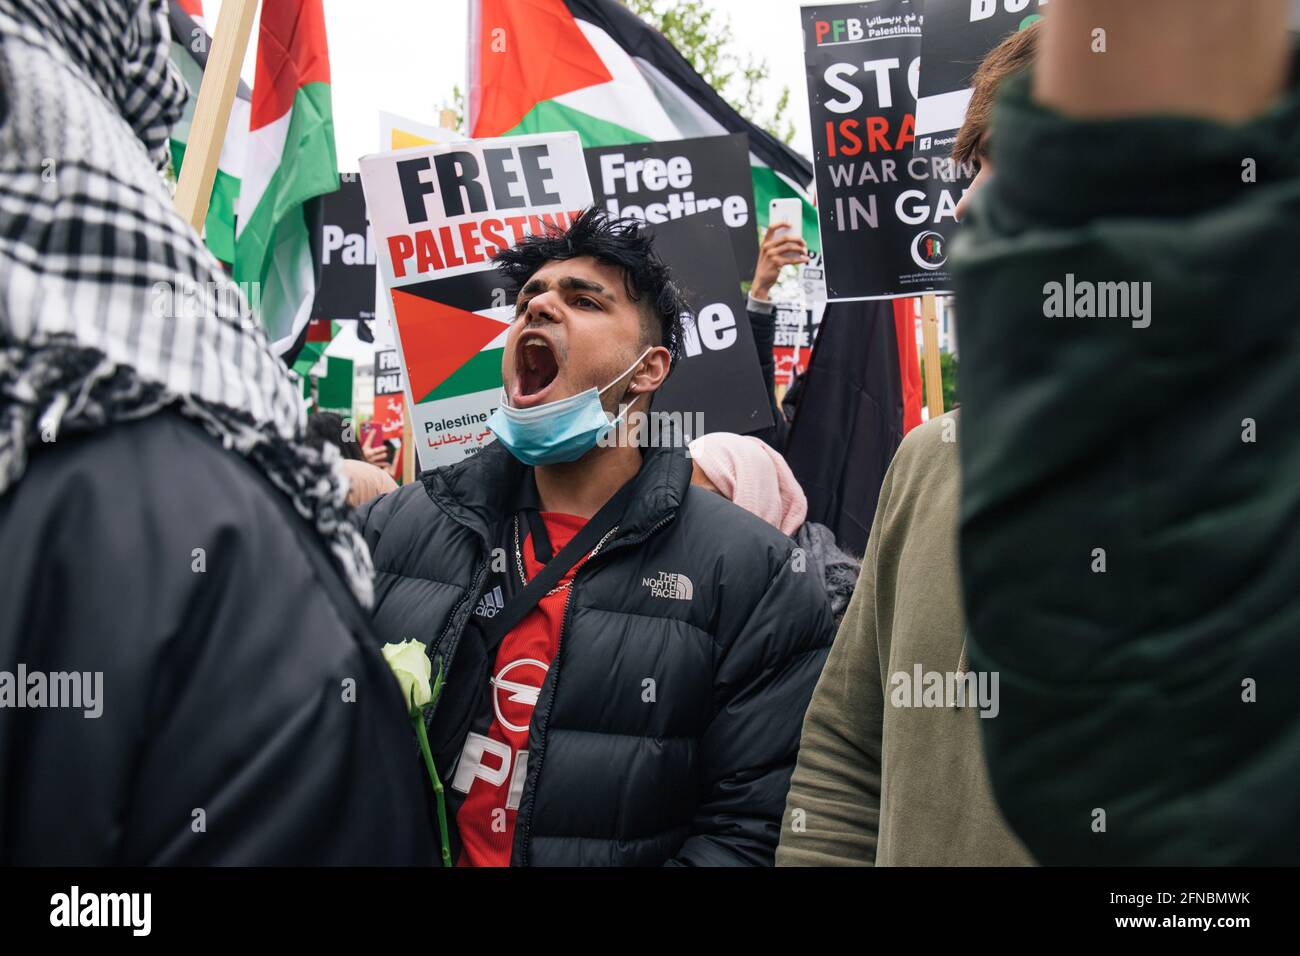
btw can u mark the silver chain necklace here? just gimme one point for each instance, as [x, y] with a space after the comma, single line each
[519, 558]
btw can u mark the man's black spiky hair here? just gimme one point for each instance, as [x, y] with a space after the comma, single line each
[624, 243]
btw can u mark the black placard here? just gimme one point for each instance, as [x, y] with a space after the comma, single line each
[717, 377]
[958, 35]
[662, 181]
[347, 275]
[886, 215]
[388, 372]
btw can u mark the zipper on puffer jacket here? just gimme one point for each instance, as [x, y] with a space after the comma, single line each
[465, 603]
[479, 575]
[527, 822]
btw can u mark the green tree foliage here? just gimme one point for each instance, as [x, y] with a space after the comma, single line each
[704, 38]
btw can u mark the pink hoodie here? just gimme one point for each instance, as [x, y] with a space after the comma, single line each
[753, 475]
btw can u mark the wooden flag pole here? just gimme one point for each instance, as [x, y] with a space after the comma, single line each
[212, 110]
[408, 448]
[930, 345]
[447, 119]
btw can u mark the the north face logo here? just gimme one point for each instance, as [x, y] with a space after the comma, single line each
[670, 585]
[490, 604]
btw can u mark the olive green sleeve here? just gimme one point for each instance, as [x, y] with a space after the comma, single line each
[832, 814]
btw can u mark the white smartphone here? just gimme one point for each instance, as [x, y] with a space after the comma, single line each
[787, 213]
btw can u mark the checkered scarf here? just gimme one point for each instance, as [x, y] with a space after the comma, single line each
[111, 308]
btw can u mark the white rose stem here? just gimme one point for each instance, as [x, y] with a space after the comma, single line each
[417, 718]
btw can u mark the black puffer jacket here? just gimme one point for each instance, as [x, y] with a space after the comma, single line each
[223, 670]
[696, 776]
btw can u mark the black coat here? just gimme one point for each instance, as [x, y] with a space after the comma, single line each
[699, 774]
[223, 688]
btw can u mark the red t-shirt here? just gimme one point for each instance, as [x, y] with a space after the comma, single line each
[498, 765]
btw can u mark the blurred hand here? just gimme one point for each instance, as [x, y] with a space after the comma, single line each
[377, 454]
[1202, 58]
[779, 248]
[366, 481]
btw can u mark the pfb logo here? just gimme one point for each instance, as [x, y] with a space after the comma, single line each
[930, 250]
[925, 143]
[670, 585]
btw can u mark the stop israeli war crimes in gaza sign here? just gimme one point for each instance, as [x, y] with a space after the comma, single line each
[885, 214]
[439, 214]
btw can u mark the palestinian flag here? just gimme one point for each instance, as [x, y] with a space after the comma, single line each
[191, 44]
[593, 66]
[315, 341]
[289, 162]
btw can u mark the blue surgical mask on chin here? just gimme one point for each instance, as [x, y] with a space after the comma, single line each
[559, 431]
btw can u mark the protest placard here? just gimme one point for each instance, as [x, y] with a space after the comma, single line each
[717, 381]
[796, 331]
[389, 415]
[885, 214]
[399, 132]
[440, 213]
[659, 181]
[346, 291]
[958, 34]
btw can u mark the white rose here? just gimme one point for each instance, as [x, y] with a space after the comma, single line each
[410, 664]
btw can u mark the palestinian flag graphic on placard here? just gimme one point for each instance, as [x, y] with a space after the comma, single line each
[595, 67]
[191, 44]
[453, 349]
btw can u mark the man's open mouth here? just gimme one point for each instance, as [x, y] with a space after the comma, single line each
[536, 368]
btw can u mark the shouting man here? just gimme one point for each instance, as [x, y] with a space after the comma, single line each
[633, 697]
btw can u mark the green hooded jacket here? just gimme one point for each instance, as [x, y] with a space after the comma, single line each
[1130, 545]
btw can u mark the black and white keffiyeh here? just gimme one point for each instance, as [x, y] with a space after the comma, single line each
[111, 307]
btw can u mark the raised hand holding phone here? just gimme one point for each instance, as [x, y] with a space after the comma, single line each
[782, 245]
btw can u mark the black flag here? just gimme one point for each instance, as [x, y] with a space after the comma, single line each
[860, 396]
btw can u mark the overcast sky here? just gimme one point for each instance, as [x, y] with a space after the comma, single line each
[404, 56]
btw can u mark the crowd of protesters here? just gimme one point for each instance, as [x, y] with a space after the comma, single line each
[651, 656]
